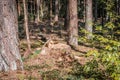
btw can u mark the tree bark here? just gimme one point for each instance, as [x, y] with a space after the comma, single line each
[41, 9]
[56, 10]
[73, 23]
[66, 20]
[88, 20]
[50, 10]
[18, 8]
[38, 11]
[10, 58]
[118, 7]
[26, 25]
[84, 11]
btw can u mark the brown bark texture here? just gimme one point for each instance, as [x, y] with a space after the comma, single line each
[50, 10]
[26, 25]
[18, 8]
[73, 23]
[10, 58]
[41, 9]
[66, 25]
[88, 19]
[38, 11]
[56, 10]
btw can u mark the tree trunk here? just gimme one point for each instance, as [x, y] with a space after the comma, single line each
[73, 23]
[56, 10]
[34, 9]
[107, 16]
[118, 7]
[66, 20]
[38, 11]
[50, 10]
[10, 58]
[26, 25]
[88, 20]
[41, 9]
[31, 9]
[84, 11]
[18, 8]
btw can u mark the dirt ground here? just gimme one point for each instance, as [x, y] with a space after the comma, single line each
[50, 51]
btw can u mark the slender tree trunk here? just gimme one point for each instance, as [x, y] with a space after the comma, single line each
[118, 7]
[34, 9]
[88, 20]
[38, 11]
[26, 25]
[10, 58]
[31, 9]
[18, 8]
[73, 23]
[107, 16]
[84, 11]
[41, 9]
[50, 10]
[66, 19]
[56, 10]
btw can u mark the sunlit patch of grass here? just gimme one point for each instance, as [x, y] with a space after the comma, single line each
[31, 78]
[51, 75]
[21, 76]
[33, 67]
[32, 55]
[36, 44]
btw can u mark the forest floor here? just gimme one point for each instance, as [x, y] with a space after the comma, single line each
[50, 54]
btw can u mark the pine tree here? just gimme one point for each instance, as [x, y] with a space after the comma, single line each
[72, 23]
[10, 58]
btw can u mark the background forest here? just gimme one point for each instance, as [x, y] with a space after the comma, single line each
[59, 39]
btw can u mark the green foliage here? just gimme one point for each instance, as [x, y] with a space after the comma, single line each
[109, 30]
[51, 75]
[106, 59]
[110, 25]
[31, 16]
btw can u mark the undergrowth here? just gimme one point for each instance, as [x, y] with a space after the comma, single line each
[105, 63]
